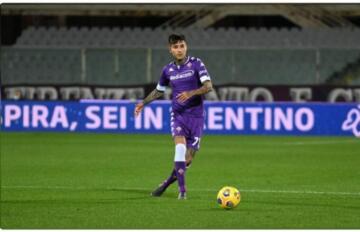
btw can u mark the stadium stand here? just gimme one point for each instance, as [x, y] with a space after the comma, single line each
[199, 38]
[48, 66]
[128, 56]
[134, 65]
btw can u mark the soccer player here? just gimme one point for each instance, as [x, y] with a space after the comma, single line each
[189, 80]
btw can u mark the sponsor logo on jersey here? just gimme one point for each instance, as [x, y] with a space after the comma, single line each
[182, 75]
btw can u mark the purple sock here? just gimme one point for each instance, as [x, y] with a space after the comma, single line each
[180, 168]
[171, 179]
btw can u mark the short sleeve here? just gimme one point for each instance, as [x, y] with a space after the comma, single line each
[163, 82]
[202, 71]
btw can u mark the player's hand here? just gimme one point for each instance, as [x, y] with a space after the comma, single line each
[138, 108]
[182, 97]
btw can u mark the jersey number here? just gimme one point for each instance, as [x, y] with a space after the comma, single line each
[197, 141]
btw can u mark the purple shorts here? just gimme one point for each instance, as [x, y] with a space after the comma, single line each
[189, 127]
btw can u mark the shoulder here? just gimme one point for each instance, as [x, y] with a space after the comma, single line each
[168, 67]
[196, 61]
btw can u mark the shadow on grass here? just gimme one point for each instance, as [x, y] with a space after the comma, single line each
[118, 195]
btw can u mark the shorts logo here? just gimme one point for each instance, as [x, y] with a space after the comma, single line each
[352, 121]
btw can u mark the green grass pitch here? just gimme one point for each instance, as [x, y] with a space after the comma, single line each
[51, 180]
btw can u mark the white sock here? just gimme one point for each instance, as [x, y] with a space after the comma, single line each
[180, 151]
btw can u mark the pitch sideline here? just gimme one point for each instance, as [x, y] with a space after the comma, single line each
[197, 190]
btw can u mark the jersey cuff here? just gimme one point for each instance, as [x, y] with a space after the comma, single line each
[204, 78]
[160, 88]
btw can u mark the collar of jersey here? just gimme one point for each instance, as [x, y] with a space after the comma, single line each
[187, 61]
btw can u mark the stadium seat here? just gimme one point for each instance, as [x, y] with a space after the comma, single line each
[238, 55]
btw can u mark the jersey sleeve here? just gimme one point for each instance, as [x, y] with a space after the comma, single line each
[163, 82]
[202, 71]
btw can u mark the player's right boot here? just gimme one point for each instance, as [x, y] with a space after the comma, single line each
[182, 196]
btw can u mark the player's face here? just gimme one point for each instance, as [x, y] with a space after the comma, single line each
[178, 50]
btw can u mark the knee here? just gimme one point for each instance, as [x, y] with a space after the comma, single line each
[180, 151]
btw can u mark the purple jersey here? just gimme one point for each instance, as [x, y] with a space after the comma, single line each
[185, 77]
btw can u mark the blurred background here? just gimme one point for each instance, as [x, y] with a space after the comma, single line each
[254, 52]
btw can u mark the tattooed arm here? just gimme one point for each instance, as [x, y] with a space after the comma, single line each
[155, 94]
[205, 88]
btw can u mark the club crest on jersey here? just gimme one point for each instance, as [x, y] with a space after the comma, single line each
[189, 65]
[178, 129]
[171, 69]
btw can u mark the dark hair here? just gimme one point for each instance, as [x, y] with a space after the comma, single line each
[174, 38]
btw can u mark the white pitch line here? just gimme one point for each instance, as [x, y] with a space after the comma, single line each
[302, 143]
[197, 190]
[319, 142]
[300, 192]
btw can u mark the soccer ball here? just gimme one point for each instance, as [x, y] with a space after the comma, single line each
[228, 197]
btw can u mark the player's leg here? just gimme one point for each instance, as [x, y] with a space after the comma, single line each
[178, 173]
[178, 128]
[193, 141]
[193, 132]
[186, 136]
[189, 143]
[180, 164]
[190, 154]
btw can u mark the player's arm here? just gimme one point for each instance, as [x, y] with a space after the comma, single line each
[204, 89]
[155, 94]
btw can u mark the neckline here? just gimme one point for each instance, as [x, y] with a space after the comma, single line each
[180, 65]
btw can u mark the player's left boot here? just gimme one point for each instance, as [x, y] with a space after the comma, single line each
[163, 186]
[158, 191]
